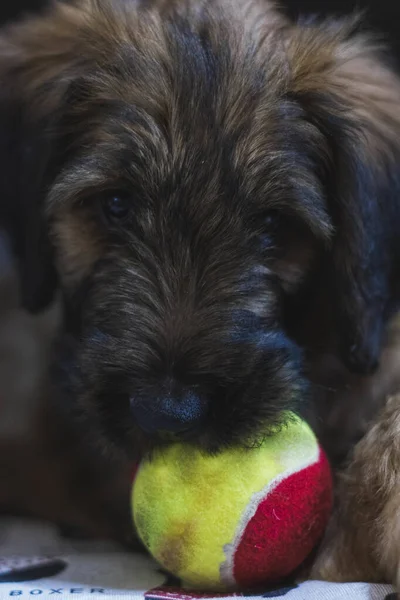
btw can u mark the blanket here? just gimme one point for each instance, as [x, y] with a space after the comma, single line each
[35, 560]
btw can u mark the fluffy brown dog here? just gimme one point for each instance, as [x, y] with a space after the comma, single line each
[216, 192]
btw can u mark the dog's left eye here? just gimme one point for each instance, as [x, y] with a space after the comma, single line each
[116, 206]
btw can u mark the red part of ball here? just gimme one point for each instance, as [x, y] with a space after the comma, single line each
[286, 527]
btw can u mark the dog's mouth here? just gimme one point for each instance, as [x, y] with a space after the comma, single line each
[126, 416]
[232, 420]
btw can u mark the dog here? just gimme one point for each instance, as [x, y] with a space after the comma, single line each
[361, 543]
[214, 190]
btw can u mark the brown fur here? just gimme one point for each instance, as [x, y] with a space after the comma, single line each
[44, 471]
[361, 543]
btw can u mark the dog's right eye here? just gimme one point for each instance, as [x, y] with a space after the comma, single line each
[271, 222]
[116, 207]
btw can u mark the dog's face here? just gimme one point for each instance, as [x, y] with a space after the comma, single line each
[194, 168]
[178, 227]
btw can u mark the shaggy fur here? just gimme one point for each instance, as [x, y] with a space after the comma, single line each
[45, 469]
[215, 190]
[362, 541]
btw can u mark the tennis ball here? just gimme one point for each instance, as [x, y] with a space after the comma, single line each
[238, 519]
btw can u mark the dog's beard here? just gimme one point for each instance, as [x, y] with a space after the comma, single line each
[251, 377]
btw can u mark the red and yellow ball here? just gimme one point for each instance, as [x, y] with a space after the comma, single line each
[239, 519]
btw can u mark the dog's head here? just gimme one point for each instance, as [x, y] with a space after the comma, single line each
[189, 172]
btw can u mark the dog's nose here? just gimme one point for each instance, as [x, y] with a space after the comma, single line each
[169, 414]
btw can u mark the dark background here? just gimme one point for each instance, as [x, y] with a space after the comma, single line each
[382, 15]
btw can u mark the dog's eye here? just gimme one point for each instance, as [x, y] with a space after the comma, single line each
[270, 226]
[116, 206]
[271, 220]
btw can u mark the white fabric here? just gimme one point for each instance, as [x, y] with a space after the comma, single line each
[95, 571]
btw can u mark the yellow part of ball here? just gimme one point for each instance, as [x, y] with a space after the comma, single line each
[188, 506]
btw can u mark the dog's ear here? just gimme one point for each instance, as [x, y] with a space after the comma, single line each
[39, 61]
[354, 99]
[23, 155]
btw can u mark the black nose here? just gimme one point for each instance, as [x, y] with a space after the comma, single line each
[169, 413]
